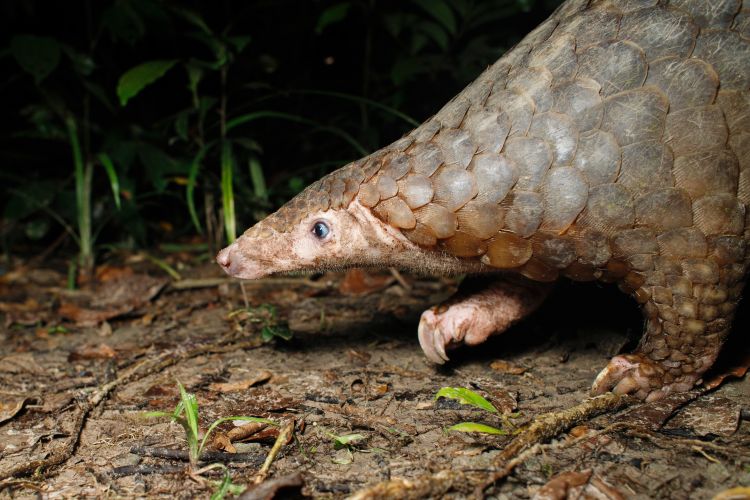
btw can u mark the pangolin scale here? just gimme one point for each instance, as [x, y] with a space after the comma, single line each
[612, 144]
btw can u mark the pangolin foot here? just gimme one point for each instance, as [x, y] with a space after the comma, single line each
[444, 327]
[639, 376]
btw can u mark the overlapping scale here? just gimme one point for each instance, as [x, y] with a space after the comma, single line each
[579, 99]
[454, 187]
[560, 134]
[598, 157]
[564, 194]
[532, 157]
[711, 14]
[616, 66]
[635, 115]
[659, 32]
[686, 82]
[495, 175]
[416, 190]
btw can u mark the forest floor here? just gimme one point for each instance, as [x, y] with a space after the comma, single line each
[351, 394]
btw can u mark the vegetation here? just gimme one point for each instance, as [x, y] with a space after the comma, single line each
[186, 414]
[133, 122]
[471, 398]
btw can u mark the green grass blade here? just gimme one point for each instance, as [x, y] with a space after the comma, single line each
[221, 492]
[475, 427]
[156, 414]
[114, 180]
[190, 406]
[227, 191]
[258, 179]
[195, 167]
[249, 117]
[164, 266]
[83, 194]
[466, 397]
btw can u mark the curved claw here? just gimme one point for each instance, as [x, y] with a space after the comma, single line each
[431, 338]
[613, 375]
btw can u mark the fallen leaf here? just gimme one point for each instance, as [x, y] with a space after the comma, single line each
[652, 416]
[737, 371]
[56, 402]
[111, 298]
[359, 282]
[245, 431]
[101, 351]
[242, 385]
[106, 272]
[558, 488]
[272, 487]
[708, 415]
[10, 406]
[26, 313]
[506, 367]
[20, 363]
[222, 442]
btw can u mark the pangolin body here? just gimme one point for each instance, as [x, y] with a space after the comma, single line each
[612, 143]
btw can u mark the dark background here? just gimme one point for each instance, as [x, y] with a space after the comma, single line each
[61, 63]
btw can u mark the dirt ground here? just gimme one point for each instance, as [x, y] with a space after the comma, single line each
[78, 370]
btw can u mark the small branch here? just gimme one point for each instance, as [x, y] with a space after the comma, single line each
[284, 436]
[188, 284]
[134, 372]
[525, 445]
[206, 456]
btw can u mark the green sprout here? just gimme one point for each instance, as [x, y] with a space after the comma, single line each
[468, 397]
[267, 317]
[344, 442]
[186, 414]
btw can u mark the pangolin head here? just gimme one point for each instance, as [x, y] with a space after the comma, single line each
[323, 227]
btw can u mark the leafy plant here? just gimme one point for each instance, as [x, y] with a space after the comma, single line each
[266, 316]
[345, 444]
[186, 414]
[471, 398]
[201, 126]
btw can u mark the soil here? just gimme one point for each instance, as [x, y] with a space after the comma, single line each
[79, 371]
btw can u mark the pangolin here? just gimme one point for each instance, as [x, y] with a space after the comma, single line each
[611, 144]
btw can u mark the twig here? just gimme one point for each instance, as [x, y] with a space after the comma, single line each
[130, 470]
[130, 374]
[401, 280]
[281, 440]
[525, 445]
[206, 456]
[188, 284]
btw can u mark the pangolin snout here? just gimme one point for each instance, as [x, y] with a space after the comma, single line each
[235, 263]
[225, 260]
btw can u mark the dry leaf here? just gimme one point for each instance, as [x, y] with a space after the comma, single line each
[559, 486]
[360, 282]
[10, 406]
[101, 351]
[245, 431]
[708, 415]
[506, 367]
[242, 385]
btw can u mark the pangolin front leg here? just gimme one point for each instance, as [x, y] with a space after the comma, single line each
[479, 309]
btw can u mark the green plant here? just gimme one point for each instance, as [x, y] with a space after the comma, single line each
[202, 119]
[471, 398]
[266, 316]
[186, 414]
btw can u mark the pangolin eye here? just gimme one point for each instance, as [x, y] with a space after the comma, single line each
[321, 230]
